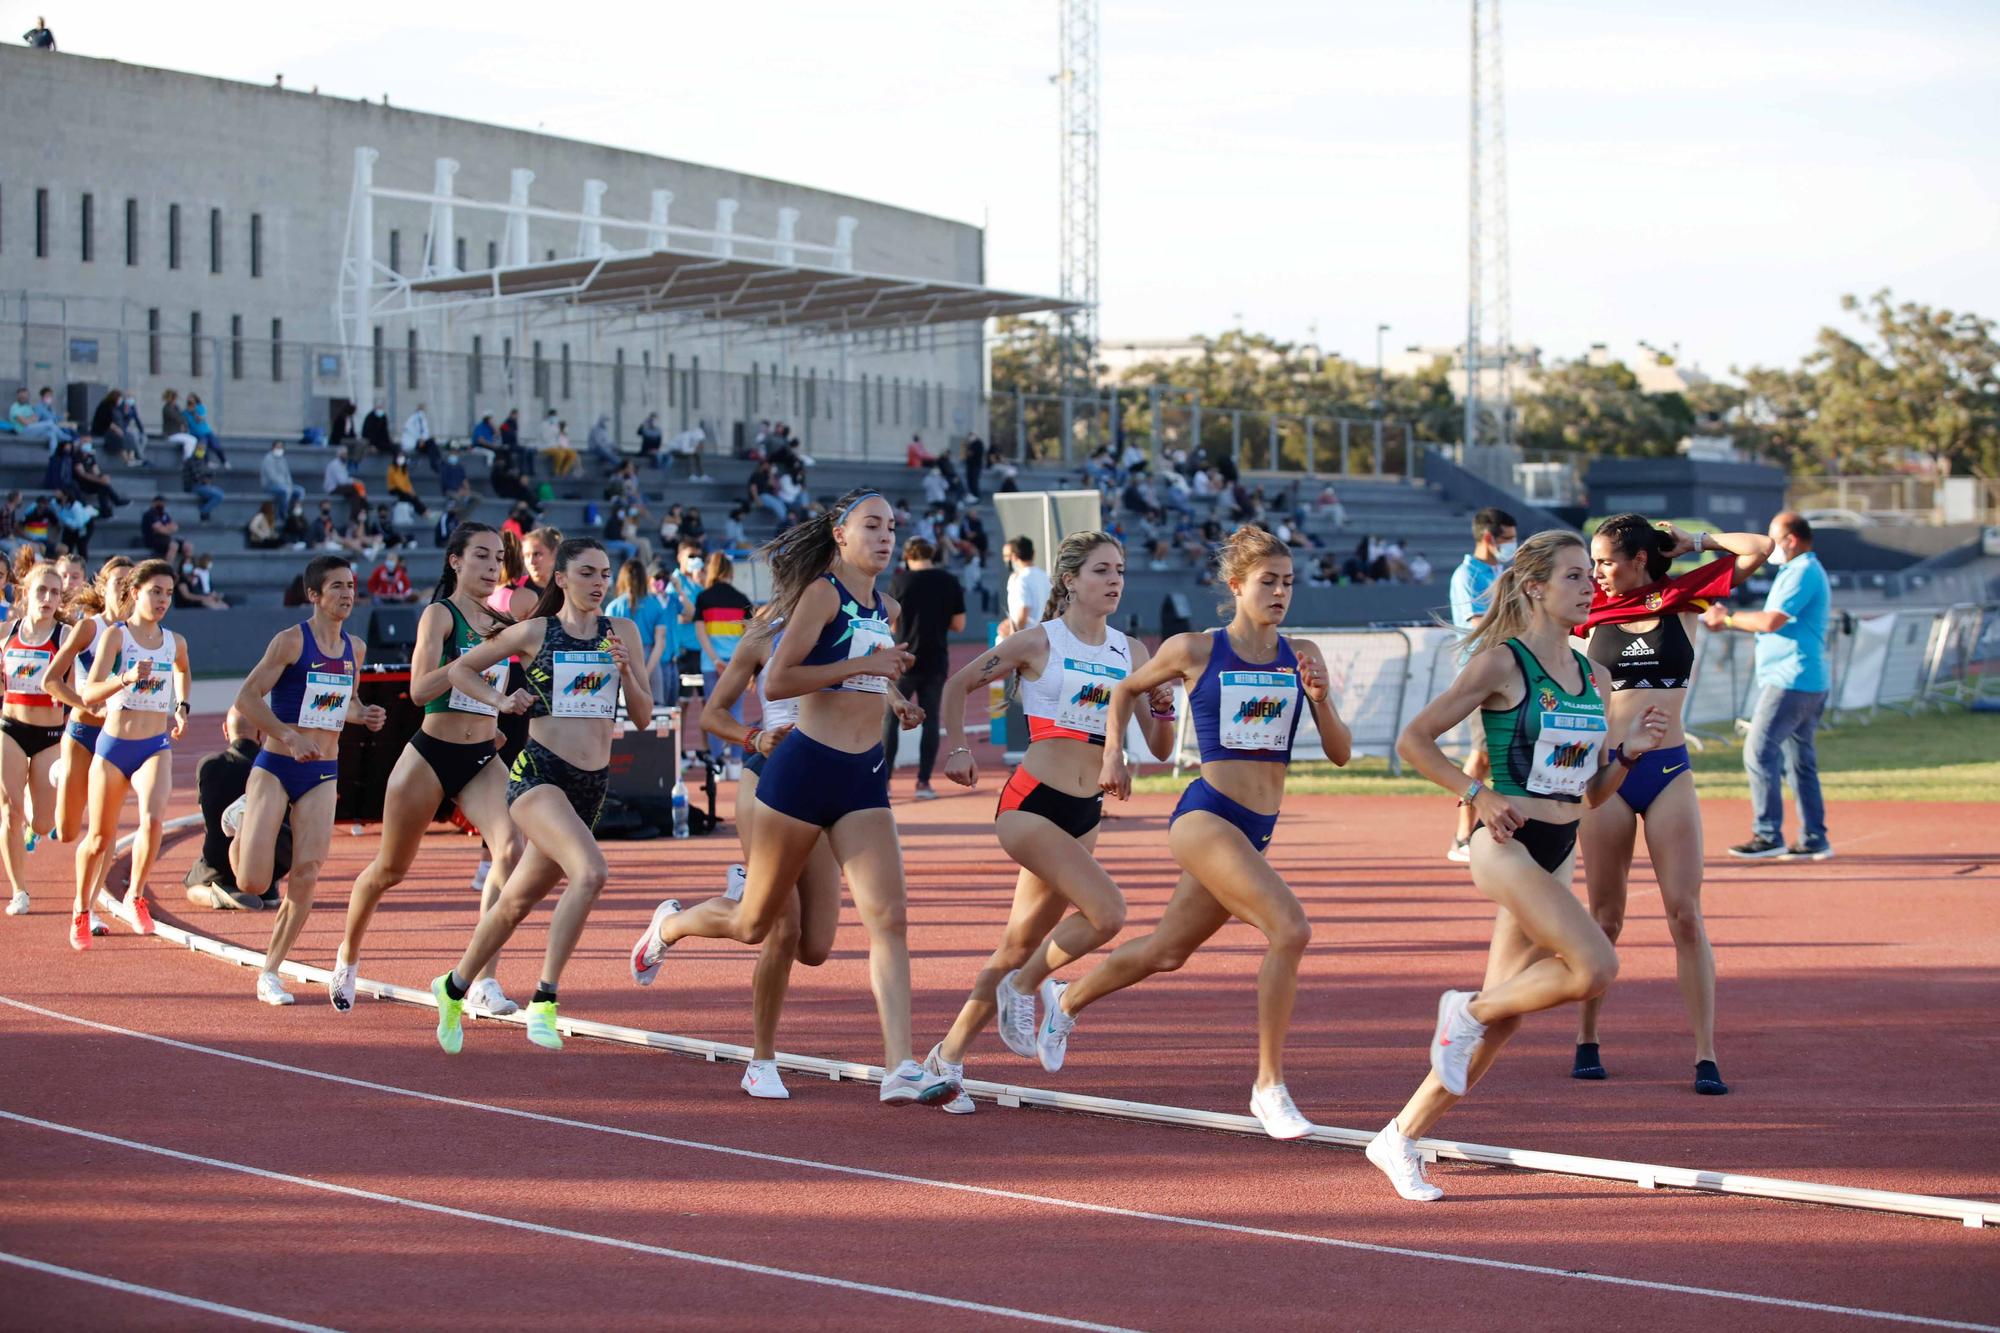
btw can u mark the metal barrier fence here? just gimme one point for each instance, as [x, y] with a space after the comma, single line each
[1904, 660]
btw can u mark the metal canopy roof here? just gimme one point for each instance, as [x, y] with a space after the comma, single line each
[735, 288]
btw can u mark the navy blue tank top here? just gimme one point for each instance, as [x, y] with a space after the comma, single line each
[1247, 710]
[853, 633]
[314, 690]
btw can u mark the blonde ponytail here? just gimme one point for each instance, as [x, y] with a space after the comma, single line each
[1511, 609]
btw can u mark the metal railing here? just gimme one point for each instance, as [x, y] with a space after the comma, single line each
[1900, 499]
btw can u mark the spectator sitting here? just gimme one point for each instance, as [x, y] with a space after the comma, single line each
[692, 528]
[451, 477]
[38, 421]
[158, 531]
[506, 481]
[199, 427]
[1324, 574]
[128, 420]
[620, 532]
[375, 430]
[76, 519]
[417, 440]
[10, 527]
[688, 444]
[400, 486]
[192, 586]
[916, 455]
[173, 423]
[105, 429]
[650, 438]
[1420, 567]
[198, 479]
[1329, 503]
[92, 484]
[341, 484]
[484, 436]
[262, 532]
[601, 446]
[510, 444]
[387, 529]
[934, 486]
[61, 467]
[733, 534]
[222, 779]
[554, 445]
[275, 474]
[389, 581]
[296, 532]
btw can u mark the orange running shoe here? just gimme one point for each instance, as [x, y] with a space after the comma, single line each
[142, 915]
[79, 931]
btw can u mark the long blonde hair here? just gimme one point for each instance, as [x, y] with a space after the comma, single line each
[1511, 609]
[1068, 563]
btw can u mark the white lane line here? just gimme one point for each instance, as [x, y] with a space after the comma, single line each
[562, 1233]
[158, 1294]
[989, 1191]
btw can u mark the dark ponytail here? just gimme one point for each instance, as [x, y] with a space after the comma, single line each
[801, 553]
[1634, 534]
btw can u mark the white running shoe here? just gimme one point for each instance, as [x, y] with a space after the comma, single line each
[232, 818]
[340, 986]
[1052, 1037]
[961, 1102]
[738, 877]
[911, 1082]
[1017, 1018]
[1278, 1113]
[1398, 1159]
[649, 951]
[761, 1080]
[479, 876]
[18, 904]
[97, 927]
[486, 996]
[270, 990]
[1460, 853]
[1457, 1036]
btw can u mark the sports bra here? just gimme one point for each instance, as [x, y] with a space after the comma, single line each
[27, 667]
[1246, 710]
[776, 712]
[574, 677]
[1071, 699]
[851, 634]
[1662, 658]
[315, 688]
[462, 640]
[1550, 743]
[155, 694]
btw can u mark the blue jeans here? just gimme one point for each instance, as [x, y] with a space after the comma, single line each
[718, 747]
[283, 497]
[1782, 724]
[210, 496]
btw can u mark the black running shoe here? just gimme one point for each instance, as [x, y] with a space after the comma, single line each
[1759, 848]
[1587, 1065]
[1708, 1079]
[1810, 849]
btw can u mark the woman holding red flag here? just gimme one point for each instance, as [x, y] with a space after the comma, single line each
[1641, 636]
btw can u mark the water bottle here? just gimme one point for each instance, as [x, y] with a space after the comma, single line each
[680, 800]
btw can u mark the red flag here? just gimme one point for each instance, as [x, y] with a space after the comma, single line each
[1692, 591]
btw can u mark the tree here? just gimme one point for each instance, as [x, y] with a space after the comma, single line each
[1928, 384]
[1600, 409]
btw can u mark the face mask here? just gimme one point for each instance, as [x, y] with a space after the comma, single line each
[1778, 556]
[1505, 551]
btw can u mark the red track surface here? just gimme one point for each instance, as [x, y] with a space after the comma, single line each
[1857, 1000]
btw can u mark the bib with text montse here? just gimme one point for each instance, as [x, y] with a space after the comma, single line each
[323, 706]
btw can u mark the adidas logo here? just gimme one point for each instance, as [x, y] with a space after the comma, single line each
[1637, 648]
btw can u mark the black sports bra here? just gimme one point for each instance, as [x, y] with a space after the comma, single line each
[1662, 658]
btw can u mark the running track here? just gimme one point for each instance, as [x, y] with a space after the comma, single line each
[347, 1174]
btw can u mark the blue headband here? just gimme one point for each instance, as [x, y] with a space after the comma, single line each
[841, 517]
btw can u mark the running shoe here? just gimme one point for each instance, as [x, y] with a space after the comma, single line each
[733, 889]
[18, 904]
[1587, 1065]
[340, 986]
[486, 997]
[97, 927]
[479, 876]
[451, 1017]
[28, 843]
[936, 1065]
[1461, 852]
[1759, 848]
[80, 932]
[1278, 1113]
[542, 1025]
[271, 990]
[924, 792]
[142, 914]
[1457, 1036]
[1017, 1018]
[1398, 1159]
[761, 1080]
[232, 816]
[911, 1082]
[1052, 1037]
[1810, 849]
[1708, 1079]
[649, 951]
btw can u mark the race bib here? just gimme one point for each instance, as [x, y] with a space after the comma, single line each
[28, 670]
[1566, 754]
[1085, 701]
[154, 694]
[496, 676]
[323, 706]
[584, 685]
[864, 637]
[1258, 708]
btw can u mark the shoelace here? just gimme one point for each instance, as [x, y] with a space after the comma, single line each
[1282, 1096]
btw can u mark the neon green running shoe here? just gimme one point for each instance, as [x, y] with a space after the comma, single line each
[542, 1025]
[451, 1013]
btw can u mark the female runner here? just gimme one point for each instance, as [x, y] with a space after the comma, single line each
[139, 675]
[451, 758]
[31, 722]
[1547, 738]
[837, 656]
[1065, 905]
[94, 609]
[576, 661]
[806, 922]
[1650, 660]
[1246, 683]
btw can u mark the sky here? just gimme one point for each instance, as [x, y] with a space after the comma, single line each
[1706, 175]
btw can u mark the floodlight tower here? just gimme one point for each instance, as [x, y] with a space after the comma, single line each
[1077, 81]
[1489, 397]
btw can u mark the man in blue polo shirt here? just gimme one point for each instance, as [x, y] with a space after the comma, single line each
[1493, 532]
[1792, 684]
